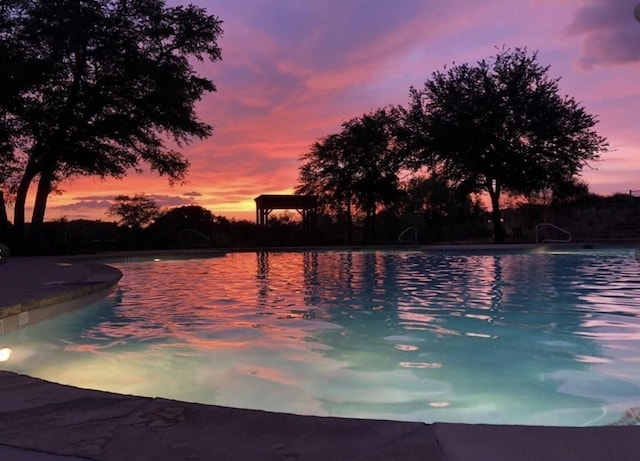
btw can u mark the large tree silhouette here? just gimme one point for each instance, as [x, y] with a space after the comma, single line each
[501, 125]
[98, 87]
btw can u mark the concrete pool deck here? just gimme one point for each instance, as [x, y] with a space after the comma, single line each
[40, 420]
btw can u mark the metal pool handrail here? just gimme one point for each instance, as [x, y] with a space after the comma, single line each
[569, 236]
[205, 240]
[415, 235]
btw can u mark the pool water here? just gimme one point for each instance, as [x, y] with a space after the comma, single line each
[541, 338]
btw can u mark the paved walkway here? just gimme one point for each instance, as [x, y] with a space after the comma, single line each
[43, 421]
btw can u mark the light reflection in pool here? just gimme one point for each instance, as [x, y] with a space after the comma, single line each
[524, 339]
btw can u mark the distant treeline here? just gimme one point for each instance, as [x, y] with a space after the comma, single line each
[193, 226]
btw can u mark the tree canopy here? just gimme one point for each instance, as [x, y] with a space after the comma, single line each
[500, 125]
[193, 217]
[356, 169]
[440, 203]
[98, 87]
[134, 212]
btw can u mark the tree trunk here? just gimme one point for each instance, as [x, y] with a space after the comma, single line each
[19, 231]
[349, 223]
[365, 236]
[35, 240]
[369, 223]
[4, 219]
[498, 233]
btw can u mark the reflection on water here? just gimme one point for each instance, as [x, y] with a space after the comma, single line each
[526, 339]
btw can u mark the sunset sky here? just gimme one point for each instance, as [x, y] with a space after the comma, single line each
[294, 70]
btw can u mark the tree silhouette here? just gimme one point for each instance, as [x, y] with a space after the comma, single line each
[99, 87]
[169, 226]
[327, 173]
[500, 126]
[134, 212]
[189, 216]
[439, 204]
[355, 169]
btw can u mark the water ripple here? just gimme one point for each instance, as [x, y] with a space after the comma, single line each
[504, 338]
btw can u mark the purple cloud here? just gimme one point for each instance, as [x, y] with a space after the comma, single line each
[611, 33]
[83, 205]
[92, 206]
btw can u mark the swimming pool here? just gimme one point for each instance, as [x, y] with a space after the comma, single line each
[537, 338]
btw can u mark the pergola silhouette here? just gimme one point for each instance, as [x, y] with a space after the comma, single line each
[305, 205]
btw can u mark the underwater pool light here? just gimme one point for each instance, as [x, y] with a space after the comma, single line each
[5, 353]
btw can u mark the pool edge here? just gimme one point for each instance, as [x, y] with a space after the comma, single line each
[61, 420]
[37, 289]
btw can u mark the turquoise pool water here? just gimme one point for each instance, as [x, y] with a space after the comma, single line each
[542, 338]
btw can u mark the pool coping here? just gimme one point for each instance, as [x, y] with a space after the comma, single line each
[35, 289]
[49, 421]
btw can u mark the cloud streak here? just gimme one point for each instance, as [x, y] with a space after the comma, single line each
[89, 204]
